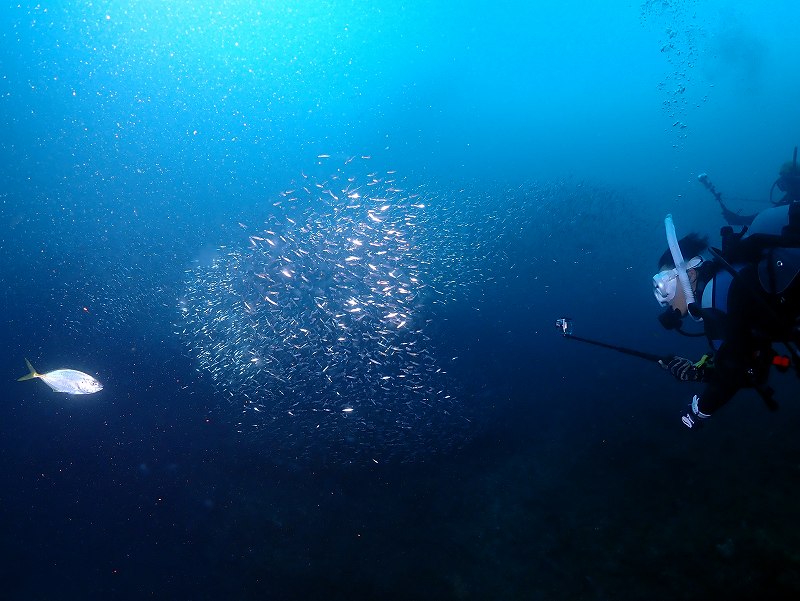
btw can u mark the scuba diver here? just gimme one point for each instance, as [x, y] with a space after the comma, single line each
[788, 182]
[747, 297]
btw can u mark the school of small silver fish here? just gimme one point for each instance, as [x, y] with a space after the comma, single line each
[320, 326]
[316, 326]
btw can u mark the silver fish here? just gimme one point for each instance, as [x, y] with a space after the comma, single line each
[70, 381]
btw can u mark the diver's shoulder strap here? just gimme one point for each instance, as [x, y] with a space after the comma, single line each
[791, 230]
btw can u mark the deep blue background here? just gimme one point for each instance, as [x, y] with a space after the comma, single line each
[136, 136]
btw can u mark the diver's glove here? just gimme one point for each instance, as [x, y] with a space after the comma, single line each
[694, 417]
[683, 369]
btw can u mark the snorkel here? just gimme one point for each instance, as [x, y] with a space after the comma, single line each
[677, 258]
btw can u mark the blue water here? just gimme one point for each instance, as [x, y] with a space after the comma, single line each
[143, 142]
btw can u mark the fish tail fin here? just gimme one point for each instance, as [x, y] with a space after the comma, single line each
[30, 375]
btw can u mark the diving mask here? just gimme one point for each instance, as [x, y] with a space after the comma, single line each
[665, 283]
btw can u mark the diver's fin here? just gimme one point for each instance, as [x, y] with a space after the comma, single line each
[31, 375]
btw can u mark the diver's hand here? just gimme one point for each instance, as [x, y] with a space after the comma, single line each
[682, 369]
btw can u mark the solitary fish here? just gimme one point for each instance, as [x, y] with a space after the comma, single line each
[65, 380]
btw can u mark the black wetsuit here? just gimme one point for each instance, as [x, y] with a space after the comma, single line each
[742, 336]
